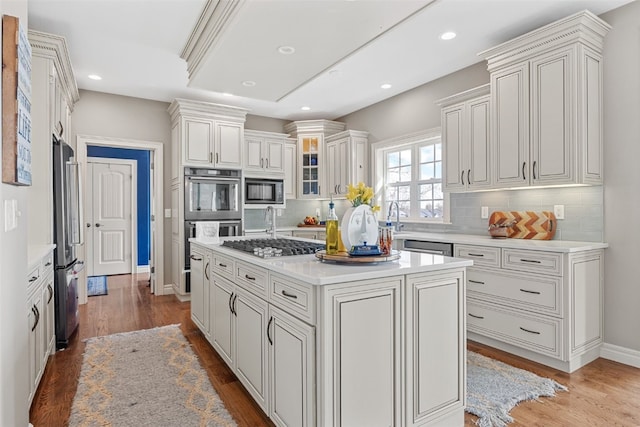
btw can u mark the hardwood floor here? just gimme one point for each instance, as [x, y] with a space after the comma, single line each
[604, 393]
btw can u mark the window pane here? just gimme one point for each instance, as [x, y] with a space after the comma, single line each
[438, 208]
[405, 209]
[393, 159]
[405, 157]
[427, 154]
[438, 149]
[438, 172]
[426, 209]
[393, 175]
[392, 193]
[426, 171]
[437, 191]
[404, 192]
[426, 191]
[405, 174]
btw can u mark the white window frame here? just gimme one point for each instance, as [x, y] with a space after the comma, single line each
[379, 163]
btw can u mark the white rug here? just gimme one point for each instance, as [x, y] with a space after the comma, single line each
[495, 388]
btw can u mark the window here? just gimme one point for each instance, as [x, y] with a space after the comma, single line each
[412, 177]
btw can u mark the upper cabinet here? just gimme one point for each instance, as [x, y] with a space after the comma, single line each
[264, 153]
[290, 169]
[206, 135]
[546, 104]
[466, 140]
[312, 169]
[347, 160]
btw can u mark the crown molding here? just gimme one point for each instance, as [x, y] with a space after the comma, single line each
[55, 48]
[327, 127]
[465, 96]
[206, 110]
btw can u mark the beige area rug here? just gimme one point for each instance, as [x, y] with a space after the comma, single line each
[145, 378]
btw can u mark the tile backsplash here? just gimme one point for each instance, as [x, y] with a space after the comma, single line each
[583, 209]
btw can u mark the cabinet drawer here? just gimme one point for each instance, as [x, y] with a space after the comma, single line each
[539, 334]
[526, 291]
[47, 263]
[33, 278]
[532, 261]
[481, 255]
[295, 298]
[222, 265]
[251, 278]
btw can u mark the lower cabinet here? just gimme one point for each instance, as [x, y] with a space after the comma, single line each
[200, 261]
[310, 234]
[36, 348]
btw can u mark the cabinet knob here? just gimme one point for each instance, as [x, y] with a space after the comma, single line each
[98, 224]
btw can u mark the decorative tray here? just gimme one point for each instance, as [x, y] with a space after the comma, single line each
[344, 257]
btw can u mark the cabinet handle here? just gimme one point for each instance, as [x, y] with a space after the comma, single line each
[217, 158]
[195, 258]
[477, 317]
[233, 304]
[523, 175]
[50, 289]
[287, 294]
[249, 277]
[268, 332]
[266, 162]
[530, 331]
[206, 273]
[222, 265]
[35, 322]
[462, 177]
[530, 292]
[534, 261]
[230, 299]
[33, 279]
[339, 188]
[480, 255]
[48, 264]
[98, 224]
[37, 316]
[534, 169]
[261, 163]
[476, 281]
[469, 177]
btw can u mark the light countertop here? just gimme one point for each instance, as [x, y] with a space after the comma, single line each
[35, 253]
[311, 270]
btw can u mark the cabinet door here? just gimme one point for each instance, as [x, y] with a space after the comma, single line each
[358, 166]
[199, 301]
[175, 159]
[292, 370]
[198, 141]
[453, 145]
[274, 155]
[220, 318]
[343, 162]
[310, 164]
[332, 167]
[253, 156]
[510, 118]
[477, 144]
[290, 167]
[48, 317]
[251, 345]
[435, 321]
[35, 342]
[365, 355]
[552, 127]
[228, 144]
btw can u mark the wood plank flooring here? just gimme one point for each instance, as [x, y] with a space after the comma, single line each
[604, 393]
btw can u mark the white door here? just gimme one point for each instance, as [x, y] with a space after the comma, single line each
[110, 221]
[152, 227]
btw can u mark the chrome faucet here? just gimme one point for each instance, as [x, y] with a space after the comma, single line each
[398, 226]
[271, 210]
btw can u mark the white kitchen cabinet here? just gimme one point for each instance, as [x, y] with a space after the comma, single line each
[264, 153]
[200, 262]
[541, 305]
[221, 318]
[291, 367]
[36, 350]
[466, 140]
[546, 89]
[319, 234]
[290, 167]
[311, 163]
[48, 317]
[435, 319]
[347, 160]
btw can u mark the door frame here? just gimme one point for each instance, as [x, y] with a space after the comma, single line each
[156, 150]
[134, 207]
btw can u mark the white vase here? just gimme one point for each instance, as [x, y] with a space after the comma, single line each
[359, 227]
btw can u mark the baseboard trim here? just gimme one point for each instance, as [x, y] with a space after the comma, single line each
[619, 354]
[167, 289]
[142, 269]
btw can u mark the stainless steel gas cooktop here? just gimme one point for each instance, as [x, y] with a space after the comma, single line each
[266, 248]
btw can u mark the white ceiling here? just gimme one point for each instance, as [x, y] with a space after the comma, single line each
[345, 49]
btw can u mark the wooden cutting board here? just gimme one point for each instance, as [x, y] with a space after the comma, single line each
[523, 224]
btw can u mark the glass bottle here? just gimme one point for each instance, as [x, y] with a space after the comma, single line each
[332, 230]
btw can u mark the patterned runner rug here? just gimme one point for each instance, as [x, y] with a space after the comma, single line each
[145, 378]
[495, 388]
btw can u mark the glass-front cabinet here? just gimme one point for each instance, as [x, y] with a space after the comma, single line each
[311, 162]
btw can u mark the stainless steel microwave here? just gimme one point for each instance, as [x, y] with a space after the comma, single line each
[263, 192]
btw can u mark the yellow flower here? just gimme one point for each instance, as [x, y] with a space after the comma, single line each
[361, 195]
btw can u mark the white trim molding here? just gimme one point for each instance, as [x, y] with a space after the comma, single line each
[619, 354]
[142, 269]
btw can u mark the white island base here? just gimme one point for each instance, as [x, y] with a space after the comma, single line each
[321, 344]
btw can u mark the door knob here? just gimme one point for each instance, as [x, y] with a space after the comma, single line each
[88, 225]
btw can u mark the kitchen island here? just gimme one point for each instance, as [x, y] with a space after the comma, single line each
[325, 344]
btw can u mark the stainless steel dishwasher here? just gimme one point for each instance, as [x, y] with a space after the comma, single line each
[436, 248]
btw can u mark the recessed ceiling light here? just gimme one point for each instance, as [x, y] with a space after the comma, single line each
[227, 94]
[385, 86]
[286, 50]
[448, 35]
[94, 77]
[248, 83]
[305, 108]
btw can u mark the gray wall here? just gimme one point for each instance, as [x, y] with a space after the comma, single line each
[622, 176]
[101, 114]
[265, 123]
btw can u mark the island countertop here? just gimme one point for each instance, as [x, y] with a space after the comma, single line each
[311, 270]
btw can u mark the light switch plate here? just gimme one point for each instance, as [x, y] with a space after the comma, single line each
[167, 213]
[558, 211]
[279, 212]
[484, 212]
[10, 215]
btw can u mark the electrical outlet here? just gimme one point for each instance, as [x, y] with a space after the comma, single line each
[558, 211]
[317, 212]
[167, 213]
[484, 212]
[279, 212]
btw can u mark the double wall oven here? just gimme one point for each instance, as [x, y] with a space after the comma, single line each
[211, 195]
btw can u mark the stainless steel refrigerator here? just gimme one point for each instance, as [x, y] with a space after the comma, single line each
[67, 235]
